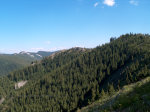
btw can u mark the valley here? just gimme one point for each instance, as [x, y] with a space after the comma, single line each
[12, 62]
[104, 79]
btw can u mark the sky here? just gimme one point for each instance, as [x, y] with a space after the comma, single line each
[49, 25]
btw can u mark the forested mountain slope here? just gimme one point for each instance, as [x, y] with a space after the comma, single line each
[77, 77]
[48, 64]
[11, 62]
[36, 71]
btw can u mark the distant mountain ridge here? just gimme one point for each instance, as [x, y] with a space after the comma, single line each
[36, 55]
[11, 62]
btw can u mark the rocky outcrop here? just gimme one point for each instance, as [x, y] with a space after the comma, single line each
[2, 100]
[20, 84]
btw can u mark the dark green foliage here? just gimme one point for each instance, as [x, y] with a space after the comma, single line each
[111, 89]
[6, 87]
[112, 39]
[75, 78]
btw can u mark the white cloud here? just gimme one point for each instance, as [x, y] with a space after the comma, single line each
[109, 2]
[36, 49]
[47, 49]
[57, 48]
[134, 2]
[48, 42]
[9, 51]
[96, 4]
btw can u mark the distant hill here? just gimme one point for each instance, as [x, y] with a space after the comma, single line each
[11, 62]
[34, 56]
[72, 79]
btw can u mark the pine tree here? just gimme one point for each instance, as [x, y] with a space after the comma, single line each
[111, 89]
[103, 93]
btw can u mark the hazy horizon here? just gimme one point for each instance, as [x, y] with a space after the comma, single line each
[44, 50]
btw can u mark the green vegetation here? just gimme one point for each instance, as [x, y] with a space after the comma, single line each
[6, 87]
[11, 62]
[74, 78]
[132, 98]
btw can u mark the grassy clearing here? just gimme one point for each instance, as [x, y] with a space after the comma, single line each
[131, 98]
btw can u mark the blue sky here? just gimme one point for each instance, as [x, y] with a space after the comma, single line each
[32, 25]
